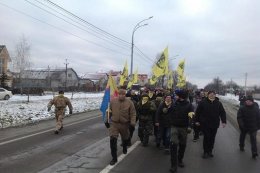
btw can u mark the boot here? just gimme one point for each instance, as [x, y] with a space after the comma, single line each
[241, 147]
[181, 155]
[254, 156]
[173, 151]
[113, 147]
[125, 142]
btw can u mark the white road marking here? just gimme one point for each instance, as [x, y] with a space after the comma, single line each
[120, 158]
[24, 137]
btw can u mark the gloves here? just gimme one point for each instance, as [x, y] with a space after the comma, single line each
[70, 112]
[107, 124]
[49, 109]
[189, 130]
[132, 128]
[191, 114]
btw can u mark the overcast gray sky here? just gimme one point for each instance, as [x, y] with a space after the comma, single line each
[216, 37]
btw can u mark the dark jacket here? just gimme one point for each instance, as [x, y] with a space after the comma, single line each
[209, 113]
[179, 114]
[145, 111]
[248, 117]
[163, 114]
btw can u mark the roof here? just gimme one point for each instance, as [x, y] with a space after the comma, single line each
[45, 73]
[94, 76]
[1, 48]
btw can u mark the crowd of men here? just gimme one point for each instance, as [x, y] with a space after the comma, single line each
[171, 116]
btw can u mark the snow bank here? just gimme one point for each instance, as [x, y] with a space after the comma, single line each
[17, 111]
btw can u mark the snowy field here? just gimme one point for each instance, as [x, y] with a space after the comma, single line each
[17, 111]
[233, 99]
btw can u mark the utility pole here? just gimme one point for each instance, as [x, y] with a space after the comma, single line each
[66, 73]
[245, 82]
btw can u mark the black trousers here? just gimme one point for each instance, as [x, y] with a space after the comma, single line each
[209, 139]
[252, 139]
[196, 131]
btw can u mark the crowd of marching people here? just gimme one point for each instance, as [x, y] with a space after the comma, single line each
[171, 116]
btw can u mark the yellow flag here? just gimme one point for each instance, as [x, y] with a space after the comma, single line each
[181, 81]
[181, 77]
[133, 80]
[180, 68]
[124, 75]
[161, 66]
[153, 80]
[170, 80]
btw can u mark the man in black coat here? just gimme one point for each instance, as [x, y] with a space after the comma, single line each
[248, 117]
[162, 121]
[180, 127]
[208, 115]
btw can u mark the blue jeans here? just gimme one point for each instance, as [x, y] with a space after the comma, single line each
[163, 134]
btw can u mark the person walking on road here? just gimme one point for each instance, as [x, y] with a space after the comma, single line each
[180, 127]
[208, 115]
[162, 121]
[145, 110]
[196, 128]
[132, 96]
[248, 117]
[122, 116]
[60, 102]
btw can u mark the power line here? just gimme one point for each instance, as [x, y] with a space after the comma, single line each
[145, 56]
[84, 21]
[111, 41]
[88, 23]
[62, 30]
[141, 54]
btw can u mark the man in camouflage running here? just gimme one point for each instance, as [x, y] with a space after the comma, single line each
[60, 102]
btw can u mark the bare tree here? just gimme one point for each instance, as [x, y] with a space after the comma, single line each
[22, 55]
[21, 60]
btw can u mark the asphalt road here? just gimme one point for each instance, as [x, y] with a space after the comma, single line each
[83, 147]
[42, 150]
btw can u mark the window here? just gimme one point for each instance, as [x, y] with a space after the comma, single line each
[69, 75]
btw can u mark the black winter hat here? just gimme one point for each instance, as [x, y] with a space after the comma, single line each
[249, 97]
[182, 94]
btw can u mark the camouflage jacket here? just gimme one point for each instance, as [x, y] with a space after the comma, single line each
[60, 102]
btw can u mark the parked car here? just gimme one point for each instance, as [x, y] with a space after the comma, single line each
[5, 94]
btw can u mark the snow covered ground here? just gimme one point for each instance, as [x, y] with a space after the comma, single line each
[17, 111]
[233, 99]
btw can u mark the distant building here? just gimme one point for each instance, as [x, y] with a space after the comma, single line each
[48, 79]
[4, 59]
[5, 75]
[94, 81]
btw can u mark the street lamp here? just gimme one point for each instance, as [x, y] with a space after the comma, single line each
[132, 45]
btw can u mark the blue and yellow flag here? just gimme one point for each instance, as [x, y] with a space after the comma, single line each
[111, 92]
